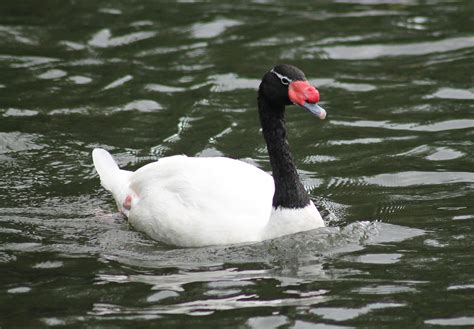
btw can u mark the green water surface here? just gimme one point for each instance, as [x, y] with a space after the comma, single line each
[391, 167]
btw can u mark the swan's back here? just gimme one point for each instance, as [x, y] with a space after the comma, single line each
[201, 201]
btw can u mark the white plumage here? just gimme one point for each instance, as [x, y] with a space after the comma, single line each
[193, 202]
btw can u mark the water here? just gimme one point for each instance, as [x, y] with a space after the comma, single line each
[391, 167]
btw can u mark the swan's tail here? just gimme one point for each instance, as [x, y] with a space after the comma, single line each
[112, 178]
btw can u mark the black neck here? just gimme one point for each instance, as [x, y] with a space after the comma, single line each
[289, 191]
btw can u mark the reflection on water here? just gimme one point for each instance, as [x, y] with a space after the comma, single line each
[367, 52]
[432, 127]
[390, 168]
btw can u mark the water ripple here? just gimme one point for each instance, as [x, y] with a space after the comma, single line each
[369, 52]
[144, 105]
[175, 282]
[206, 306]
[230, 81]
[52, 74]
[433, 153]
[452, 93]
[352, 87]
[19, 35]
[416, 178]
[164, 89]
[344, 314]
[431, 127]
[103, 38]
[212, 29]
[119, 82]
[456, 322]
[15, 142]
[27, 61]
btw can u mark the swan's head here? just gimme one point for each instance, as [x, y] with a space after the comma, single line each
[286, 84]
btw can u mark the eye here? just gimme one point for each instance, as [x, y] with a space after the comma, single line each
[285, 81]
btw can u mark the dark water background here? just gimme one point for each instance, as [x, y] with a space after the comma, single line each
[392, 166]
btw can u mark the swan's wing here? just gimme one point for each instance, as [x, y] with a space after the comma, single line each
[198, 201]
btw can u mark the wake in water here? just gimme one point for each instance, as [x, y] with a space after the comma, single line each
[107, 235]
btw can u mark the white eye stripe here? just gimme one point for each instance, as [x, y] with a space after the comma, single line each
[283, 78]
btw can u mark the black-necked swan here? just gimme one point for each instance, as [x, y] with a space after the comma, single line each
[198, 201]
